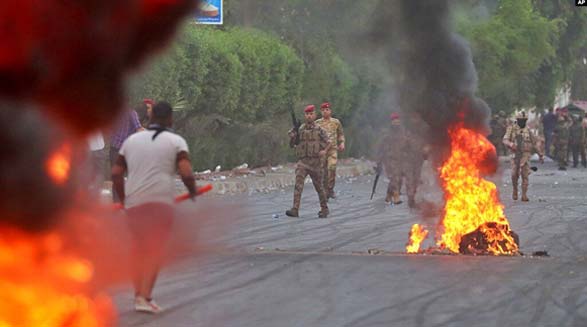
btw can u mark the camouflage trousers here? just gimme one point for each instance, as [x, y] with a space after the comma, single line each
[412, 173]
[578, 150]
[562, 154]
[313, 168]
[329, 171]
[521, 167]
[394, 172]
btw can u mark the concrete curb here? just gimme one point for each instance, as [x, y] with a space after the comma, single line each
[271, 181]
[274, 181]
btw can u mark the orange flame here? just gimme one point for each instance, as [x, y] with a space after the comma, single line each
[44, 286]
[417, 235]
[471, 201]
[59, 163]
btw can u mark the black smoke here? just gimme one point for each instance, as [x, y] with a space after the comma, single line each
[433, 67]
[30, 200]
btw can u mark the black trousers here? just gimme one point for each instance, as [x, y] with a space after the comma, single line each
[113, 156]
[576, 150]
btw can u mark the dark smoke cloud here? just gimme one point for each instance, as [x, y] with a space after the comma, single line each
[30, 199]
[69, 59]
[433, 66]
[73, 56]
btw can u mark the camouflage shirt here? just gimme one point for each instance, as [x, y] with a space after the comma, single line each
[521, 139]
[393, 145]
[577, 134]
[561, 131]
[333, 129]
[313, 139]
[498, 127]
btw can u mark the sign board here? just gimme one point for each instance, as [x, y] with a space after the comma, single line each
[210, 12]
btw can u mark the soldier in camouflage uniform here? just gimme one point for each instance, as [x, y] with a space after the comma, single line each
[333, 128]
[522, 143]
[391, 155]
[414, 153]
[498, 128]
[577, 141]
[312, 147]
[561, 138]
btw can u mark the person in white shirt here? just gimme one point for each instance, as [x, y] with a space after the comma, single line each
[151, 159]
[96, 160]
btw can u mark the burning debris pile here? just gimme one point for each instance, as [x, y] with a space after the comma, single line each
[62, 67]
[437, 82]
[474, 221]
[472, 203]
[490, 238]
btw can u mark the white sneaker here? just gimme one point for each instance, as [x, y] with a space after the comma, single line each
[155, 306]
[142, 305]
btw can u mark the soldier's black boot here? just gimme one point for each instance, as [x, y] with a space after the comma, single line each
[524, 192]
[293, 212]
[323, 213]
[515, 193]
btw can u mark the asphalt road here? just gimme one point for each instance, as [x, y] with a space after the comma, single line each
[317, 272]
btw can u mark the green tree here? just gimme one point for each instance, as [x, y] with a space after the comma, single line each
[509, 50]
[222, 81]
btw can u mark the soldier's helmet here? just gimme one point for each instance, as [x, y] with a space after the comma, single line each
[522, 115]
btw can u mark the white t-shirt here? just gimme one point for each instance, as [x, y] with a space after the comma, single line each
[96, 142]
[151, 166]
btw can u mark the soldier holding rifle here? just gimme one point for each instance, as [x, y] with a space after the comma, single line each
[311, 144]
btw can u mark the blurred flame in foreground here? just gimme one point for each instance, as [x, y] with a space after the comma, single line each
[44, 285]
[59, 163]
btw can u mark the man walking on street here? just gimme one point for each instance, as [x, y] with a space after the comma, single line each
[561, 138]
[577, 141]
[414, 153]
[390, 155]
[312, 147]
[548, 124]
[498, 128]
[127, 125]
[333, 129]
[522, 143]
[151, 158]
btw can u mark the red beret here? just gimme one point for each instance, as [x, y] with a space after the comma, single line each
[148, 101]
[394, 115]
[310, 108]
[325, 105]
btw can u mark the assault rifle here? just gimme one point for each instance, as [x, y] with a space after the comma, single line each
[296, 125]
[378, 171]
